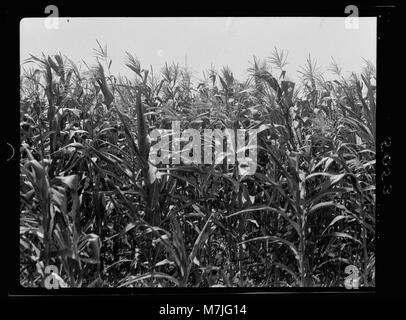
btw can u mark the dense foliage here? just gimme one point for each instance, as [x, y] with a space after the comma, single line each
[92, 204]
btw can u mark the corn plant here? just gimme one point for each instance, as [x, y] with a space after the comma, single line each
[94, 205]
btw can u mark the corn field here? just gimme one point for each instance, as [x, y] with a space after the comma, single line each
[93, 205]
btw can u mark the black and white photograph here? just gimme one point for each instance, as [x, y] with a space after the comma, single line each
[198, 152]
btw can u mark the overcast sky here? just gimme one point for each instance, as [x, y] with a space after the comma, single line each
[205, 41]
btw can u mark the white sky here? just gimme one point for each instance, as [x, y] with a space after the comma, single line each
[205, 41]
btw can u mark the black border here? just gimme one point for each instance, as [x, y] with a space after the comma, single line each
[389, 282]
